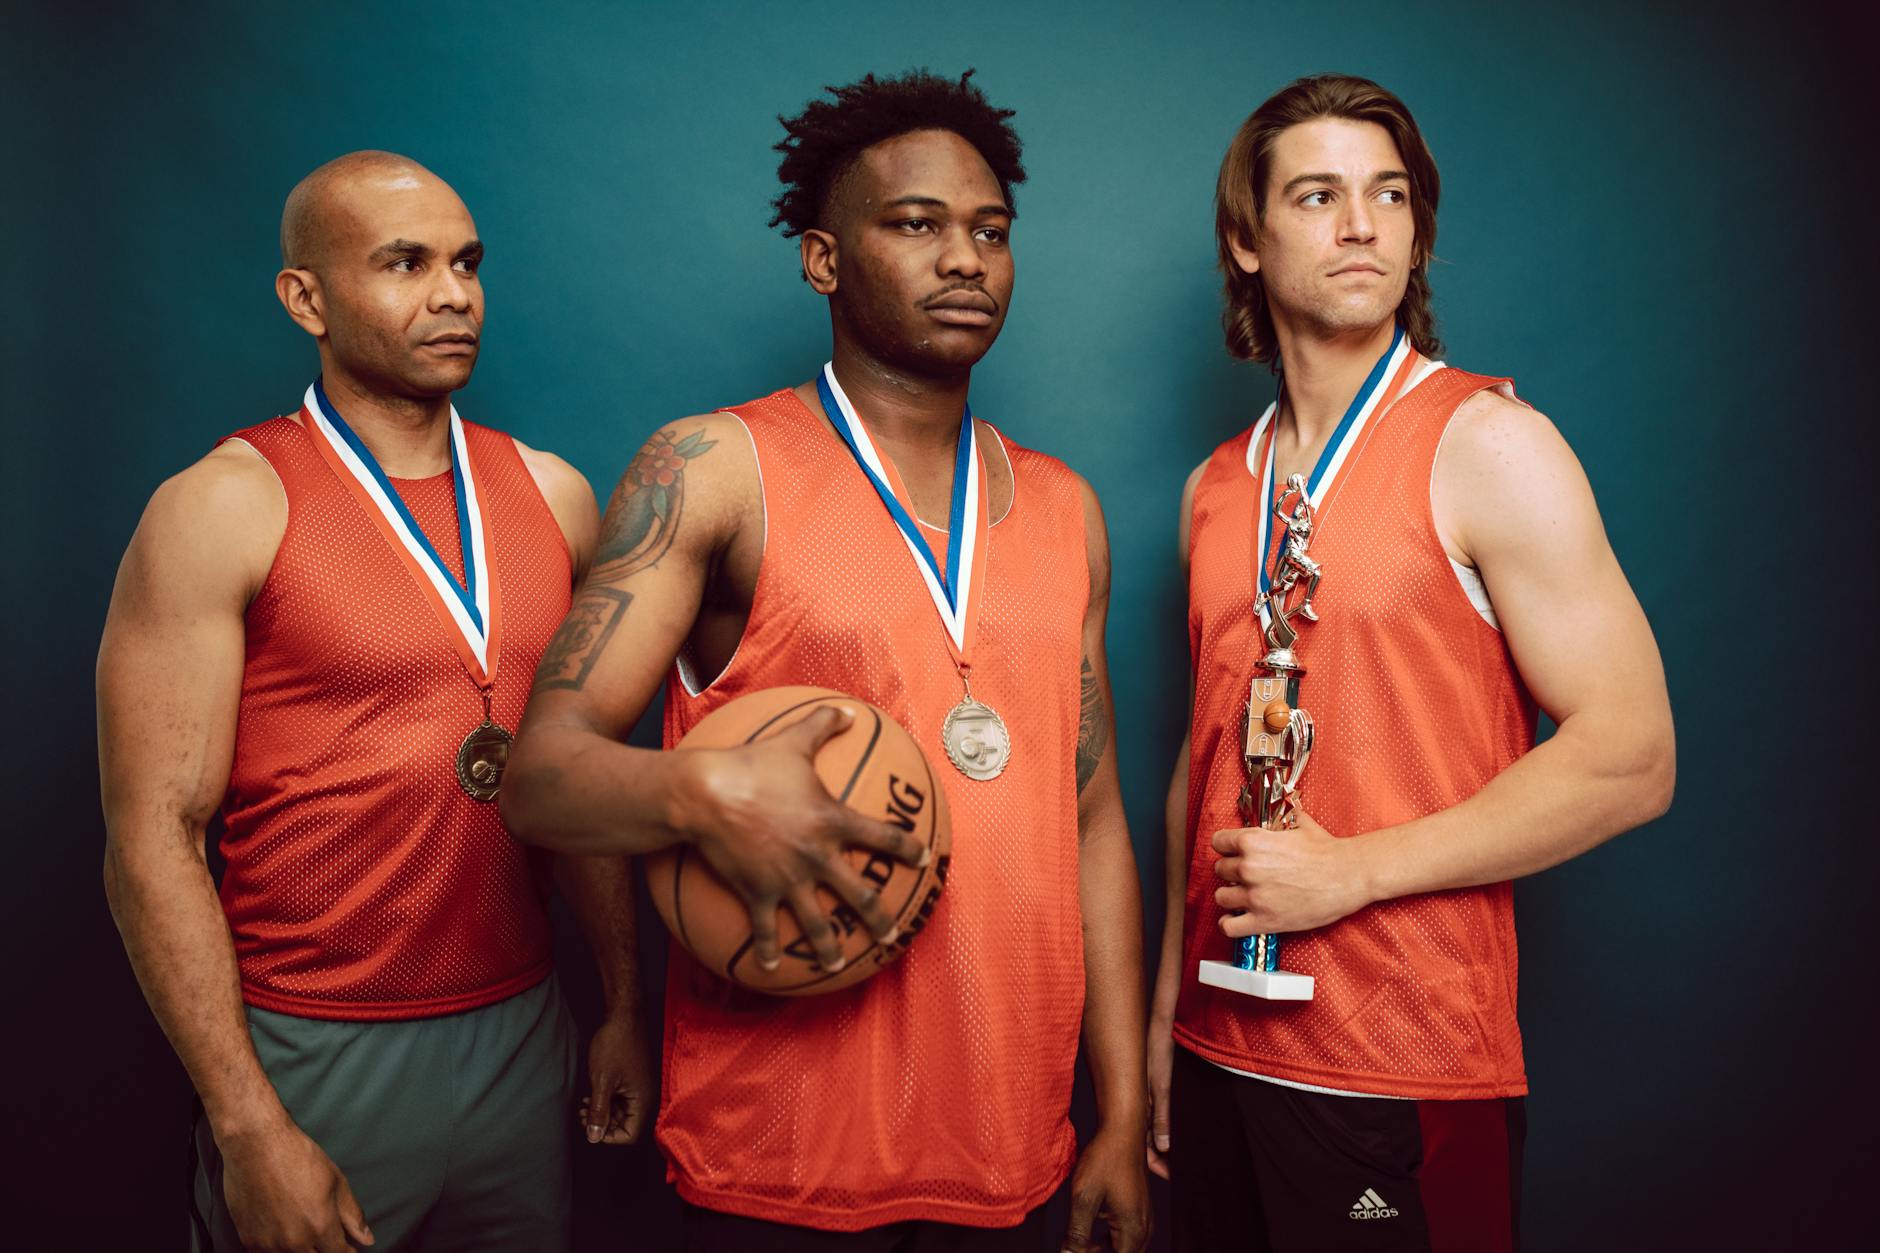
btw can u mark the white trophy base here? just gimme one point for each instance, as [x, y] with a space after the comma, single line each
[1268, 985]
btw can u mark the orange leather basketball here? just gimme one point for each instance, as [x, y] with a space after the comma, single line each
[875, 768]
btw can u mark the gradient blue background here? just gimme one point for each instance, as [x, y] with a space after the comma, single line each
[1649, 220]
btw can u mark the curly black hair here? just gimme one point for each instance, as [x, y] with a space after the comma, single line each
[824, 140]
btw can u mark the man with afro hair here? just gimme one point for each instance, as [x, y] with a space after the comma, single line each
[862, 531]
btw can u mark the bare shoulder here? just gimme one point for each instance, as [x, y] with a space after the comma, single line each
[709, 456]
[553, 475]
[214, 526]
[1186, 524]
[1096, 538]
[1492, 435]
[1504, 472]
[570, 497]
[692, 483]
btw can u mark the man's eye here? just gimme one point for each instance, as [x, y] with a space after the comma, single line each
[1316, 198]
[1395, 195]
[992, 234]
[914, 226]
[467, 266]
[405, 265]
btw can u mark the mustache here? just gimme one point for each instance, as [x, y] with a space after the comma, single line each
[456, 326]
[944, 292]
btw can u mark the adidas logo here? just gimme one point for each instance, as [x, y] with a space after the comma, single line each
[1371, 1205]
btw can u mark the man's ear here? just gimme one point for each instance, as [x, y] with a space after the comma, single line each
[300, 295]
[1246, 255]
[818, 251]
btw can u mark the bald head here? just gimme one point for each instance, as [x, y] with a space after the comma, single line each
[339, 199]
[380, 264]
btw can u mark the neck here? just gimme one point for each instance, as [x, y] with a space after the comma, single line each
[904, 410]
[1322, 372]
[410, 436]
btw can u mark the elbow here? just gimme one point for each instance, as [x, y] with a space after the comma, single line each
[1655, 778]
[1664, 782]
[519, 801]
[112, 892]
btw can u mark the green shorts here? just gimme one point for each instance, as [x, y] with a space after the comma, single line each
[456, 1133]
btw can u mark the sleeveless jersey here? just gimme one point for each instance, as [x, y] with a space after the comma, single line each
[939, 1088]
[1417, 705]
[362, 882]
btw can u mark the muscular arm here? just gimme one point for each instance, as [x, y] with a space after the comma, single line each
[758, 814]
[169, 682]
[1514, 499]
[573, 783]
[599, 890]
[1110, 1179]
[169, 679]
[1511, 500]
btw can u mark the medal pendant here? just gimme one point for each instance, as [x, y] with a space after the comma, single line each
[481, 760]
[976, 739]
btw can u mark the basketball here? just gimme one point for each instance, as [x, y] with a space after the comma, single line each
[875, 768]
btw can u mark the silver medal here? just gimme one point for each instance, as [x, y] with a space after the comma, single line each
[976, 739]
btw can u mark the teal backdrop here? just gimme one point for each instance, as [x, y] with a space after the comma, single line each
[1650, 219]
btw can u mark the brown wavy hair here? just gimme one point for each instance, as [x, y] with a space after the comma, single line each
[1241, 191]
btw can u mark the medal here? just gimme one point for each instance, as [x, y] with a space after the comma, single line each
[976, 739]
[469, 611]
[483, 756]
[973, 734]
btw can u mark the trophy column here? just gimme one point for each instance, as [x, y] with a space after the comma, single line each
[1278, 738]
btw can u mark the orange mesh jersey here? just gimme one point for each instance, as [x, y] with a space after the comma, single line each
[1417, 705]
[362, 882]
[939, 1089]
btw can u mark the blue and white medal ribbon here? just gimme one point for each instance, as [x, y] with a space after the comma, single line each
[974, 735]
[464, 606]
[471, 611]
[1383, 383]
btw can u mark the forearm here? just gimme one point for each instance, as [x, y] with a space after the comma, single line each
[177, 938]
[1596, 777]
[600, 891]
[575, 791]
[1168, 973]
[1110, 896]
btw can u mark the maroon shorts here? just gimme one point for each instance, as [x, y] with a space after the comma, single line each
[1258, 1166]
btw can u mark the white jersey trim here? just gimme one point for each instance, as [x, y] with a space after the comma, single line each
[1305, 1087]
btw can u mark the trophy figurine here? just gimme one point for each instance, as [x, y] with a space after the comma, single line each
[1277, 738]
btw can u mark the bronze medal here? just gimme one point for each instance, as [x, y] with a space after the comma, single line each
[481, 760]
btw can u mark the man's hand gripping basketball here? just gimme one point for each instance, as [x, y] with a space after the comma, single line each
[758, 814]
[768, 826]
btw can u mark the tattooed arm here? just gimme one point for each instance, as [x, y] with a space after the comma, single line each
[599, 890]
[1109, 1180]
[758, 814]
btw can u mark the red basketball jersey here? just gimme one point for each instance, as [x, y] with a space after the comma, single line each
[362, 882]
[1417, 705]
[938, 1089]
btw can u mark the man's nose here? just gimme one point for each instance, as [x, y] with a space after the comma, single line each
[961, 256]
[1360, 224]
[454, 290]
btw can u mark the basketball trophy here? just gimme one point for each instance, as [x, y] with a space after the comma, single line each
[1277, 738]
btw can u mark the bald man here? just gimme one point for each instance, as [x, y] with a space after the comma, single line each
[322, 631]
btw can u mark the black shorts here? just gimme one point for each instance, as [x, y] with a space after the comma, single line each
[710, 1231]
[1259, 1167]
